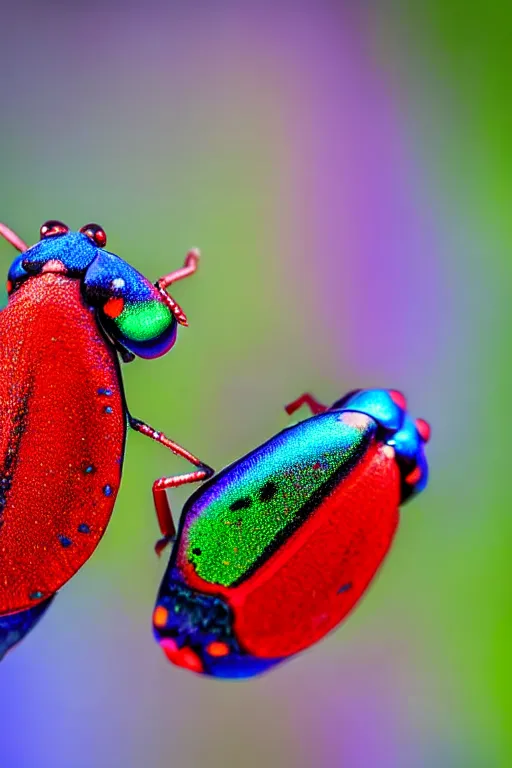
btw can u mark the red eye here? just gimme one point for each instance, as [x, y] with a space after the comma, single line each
[114, 307]
[95, 233]
[53, 227]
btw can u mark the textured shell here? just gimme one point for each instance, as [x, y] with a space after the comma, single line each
[337, 489]
[313, 583]
[63, 429]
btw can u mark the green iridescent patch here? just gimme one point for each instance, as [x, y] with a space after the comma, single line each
[144, 320]
[272, 490]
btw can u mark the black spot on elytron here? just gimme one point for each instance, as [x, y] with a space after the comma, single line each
[5, 485]
[305, 511]
[35, 595]
[9, 460]
[196, 551]
[108, 409]
[268, 491]
[83, 528]
[345, 588]
[107, 490]
[106, 392]
[65, 541]
[89, 469]
[240, 504]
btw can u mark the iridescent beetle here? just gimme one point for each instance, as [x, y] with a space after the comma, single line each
[73, 307]
[275, 550]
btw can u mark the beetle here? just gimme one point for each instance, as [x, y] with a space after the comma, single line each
[274, 550]
[74, 311]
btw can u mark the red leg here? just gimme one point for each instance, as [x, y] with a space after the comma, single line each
[173, 306]
[306, 399]
[163, 510]
[189, 267]
[13, 238]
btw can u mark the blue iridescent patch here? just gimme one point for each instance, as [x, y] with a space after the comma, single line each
[16, 626]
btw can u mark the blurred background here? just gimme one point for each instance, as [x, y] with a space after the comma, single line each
[345, 169]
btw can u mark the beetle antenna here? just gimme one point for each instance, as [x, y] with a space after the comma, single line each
[188, 268]
[13, 238]
[173, 306]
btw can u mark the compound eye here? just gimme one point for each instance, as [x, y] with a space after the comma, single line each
[95, 233]
[52, 228]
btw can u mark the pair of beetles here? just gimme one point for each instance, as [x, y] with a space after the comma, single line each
[271, 552]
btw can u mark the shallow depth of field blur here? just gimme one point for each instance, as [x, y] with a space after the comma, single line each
[346, 170]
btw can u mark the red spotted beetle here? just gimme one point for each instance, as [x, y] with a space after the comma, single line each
[274, 551]
[73, 309]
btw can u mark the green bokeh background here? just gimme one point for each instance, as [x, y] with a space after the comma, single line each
[346, 171]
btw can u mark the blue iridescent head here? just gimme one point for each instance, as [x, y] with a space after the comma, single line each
[139, 316]
[406, 436]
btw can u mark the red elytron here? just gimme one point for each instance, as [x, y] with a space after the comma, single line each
[63, 411]
[293, 599]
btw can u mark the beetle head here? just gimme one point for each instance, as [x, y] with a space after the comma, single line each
[140, 316]
[396, 429]
[59, 250]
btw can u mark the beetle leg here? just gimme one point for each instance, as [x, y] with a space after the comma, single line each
[306, 399]
[173, 306]
[13, 238]
[163, 510]
[188, 268]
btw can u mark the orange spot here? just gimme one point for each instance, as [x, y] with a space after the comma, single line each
[414, 476]
[160, 616]
[423, 428]
[9, 286]
[217, 649]
[114, 307]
